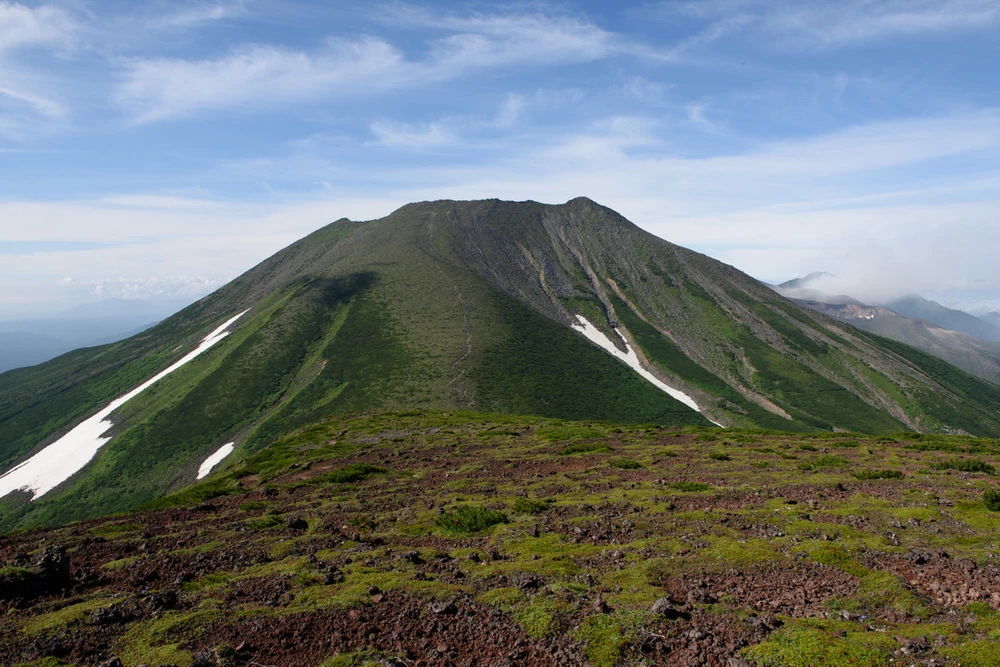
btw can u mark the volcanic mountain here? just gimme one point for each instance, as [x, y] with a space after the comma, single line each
[565, 311]
[955, 336]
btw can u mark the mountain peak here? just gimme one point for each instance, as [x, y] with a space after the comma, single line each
[567, 311]
[806, 281]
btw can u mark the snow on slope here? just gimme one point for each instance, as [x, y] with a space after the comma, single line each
[596, 336]
[63, 458]
[215, 459]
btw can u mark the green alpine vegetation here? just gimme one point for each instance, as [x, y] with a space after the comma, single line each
[468, 305]
[429, 537]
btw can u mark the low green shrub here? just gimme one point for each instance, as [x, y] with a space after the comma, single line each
[966, 465]
[470, 519]
[830, 461]
[626, 464]
[690, 487]
[991, 498]
[878, 474]
[264, 522]
[252, 505]
[718, 456]
[933, 447]
[584, 447]
[354, 472]
[528, 506]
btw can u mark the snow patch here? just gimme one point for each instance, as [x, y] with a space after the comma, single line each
[215, 459]
[66, 456]
[596, 336]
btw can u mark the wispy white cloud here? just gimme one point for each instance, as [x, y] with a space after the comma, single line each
[265, 76]
[643, 89]
[256, 77]
[141, 287]
[498, 39]
[826, 25]
[197, 15]
[156, 287]
[510, 111]
[24, 97]
[844, 23]
[23, 26]
[160, 202]
[461, 132]
[697, 113]
[40, 105]
[412, 136]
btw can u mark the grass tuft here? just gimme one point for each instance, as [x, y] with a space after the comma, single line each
[529, 506]
[814, 647]
[354, 472]
[830, 461]
[690, 487]
[470, 519]
[878, 474]
[991, 498]
[966, 465]
[584, 448]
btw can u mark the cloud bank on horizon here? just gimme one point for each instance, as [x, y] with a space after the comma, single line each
[160, 149]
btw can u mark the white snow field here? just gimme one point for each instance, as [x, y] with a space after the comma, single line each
[596, 336]
[215, 459]
[59, 461]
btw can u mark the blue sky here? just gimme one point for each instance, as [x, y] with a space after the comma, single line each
[160, 149]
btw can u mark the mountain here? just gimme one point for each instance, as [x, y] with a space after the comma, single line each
[566, 311]
[26, 342]
[24, 348]
[978, 357]
[912, 306]
[806, 281]
[916, 306]
[140, 310]
[991, 317]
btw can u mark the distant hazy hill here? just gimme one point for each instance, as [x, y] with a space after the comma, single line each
[806, 281]
[948, 318]
[957, 337]
[973, 355]
[26, 342]
[486, 305]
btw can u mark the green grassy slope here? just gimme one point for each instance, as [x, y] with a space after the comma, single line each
[446, 305]
[542, 368]
[718, 322]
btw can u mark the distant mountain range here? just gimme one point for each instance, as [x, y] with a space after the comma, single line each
[566, 311]
[971, 343]
[948, 318]
[991, 317]
[26, 342]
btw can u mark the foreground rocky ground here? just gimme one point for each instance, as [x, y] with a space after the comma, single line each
[434, 539]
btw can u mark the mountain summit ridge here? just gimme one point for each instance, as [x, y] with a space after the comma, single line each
[468, 305]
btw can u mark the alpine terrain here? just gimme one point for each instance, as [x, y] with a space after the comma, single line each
[564, 311]
[496, 433]
[953, 335]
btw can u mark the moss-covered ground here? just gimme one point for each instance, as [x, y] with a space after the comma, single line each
[452, 538]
